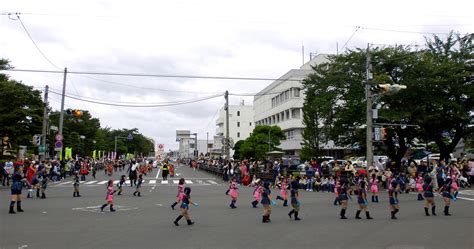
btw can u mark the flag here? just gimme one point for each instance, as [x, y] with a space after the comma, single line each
[93, 154]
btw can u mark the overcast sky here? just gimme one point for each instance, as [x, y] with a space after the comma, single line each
[209, 38]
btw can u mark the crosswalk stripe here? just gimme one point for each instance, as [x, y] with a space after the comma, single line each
[188, 181]
[64, 183]
[176, 181]
[91, 182]
[202, 182]
[152, 181]
[211, 181]
[102, 182]
[164, 181]
[116, 181]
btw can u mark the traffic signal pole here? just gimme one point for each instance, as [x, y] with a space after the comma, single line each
[61, 114]
[45, 123]
[369, 101]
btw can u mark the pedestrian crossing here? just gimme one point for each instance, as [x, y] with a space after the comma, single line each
[196, 182]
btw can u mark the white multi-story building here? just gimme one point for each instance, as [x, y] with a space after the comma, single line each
[281, 104]
[241, 125]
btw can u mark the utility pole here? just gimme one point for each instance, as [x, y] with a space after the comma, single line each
[207, 142]
[227, 149]
[368, 97]
[61, 114]
[45, 124]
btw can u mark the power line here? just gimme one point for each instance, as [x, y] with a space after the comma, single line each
[152, 75]
[145, 88]
[33, 41]
[140, 105]
[350, 38]
[404, 31]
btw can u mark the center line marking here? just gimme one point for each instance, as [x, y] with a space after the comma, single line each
[158, 173]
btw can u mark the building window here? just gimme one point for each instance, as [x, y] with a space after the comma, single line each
[297, 92]
[238, 113]
[238, 134]
[238, 124]
[290, 135]
[250, 124]
[295, 113]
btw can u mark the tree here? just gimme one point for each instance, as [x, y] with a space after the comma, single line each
[237, 148]
[438, 98]
[264, 138]
[21, 111]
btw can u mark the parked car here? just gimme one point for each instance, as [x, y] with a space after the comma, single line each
[360, 162]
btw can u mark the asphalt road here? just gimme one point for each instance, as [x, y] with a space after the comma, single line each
[61, 221]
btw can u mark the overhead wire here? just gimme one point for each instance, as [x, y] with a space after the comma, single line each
[152, 75]
[164, 104]
[350, 38]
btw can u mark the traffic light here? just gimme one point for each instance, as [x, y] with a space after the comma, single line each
[77, 113]
[74, 112]
[386, 89]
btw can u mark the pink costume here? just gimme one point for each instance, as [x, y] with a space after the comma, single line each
[419, 184]
[454, 183]
[110, 194]
[233, 190]
[256, 193]
[374, 188]
[180, 192]
[283, 192]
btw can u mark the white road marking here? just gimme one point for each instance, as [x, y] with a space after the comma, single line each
[64, 183]
[176, 181]
[81, 182]
[466, 192]
[202, 182]
[102, 182]
[152, 181]
[91, 182]
[213, 182]
[160, 205]
[464, 198]
[116, 181]
[164, 181]
[188, 181]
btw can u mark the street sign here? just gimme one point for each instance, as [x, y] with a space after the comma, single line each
[130, 137]
[59, 137]
[377, 134]
[58, 144]
[161, 146]
[42, 149]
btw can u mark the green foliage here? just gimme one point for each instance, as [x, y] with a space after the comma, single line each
[438, 97]
[257, 145]
[236, 148]
[89, 127]
[21, 111]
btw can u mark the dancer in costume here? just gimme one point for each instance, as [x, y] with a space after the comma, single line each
[362, 200]
[139, 186]
[419, 186]
[374, 188]
[257, 193]
[180, 193]
[120, 184]
[295, 202]
[185, 207]
[233, 192]
[393, 189]
[283, 192]
[76, 186]
[429, 196]
[16, 187]
[447, 191]
[110, 197]
[343, 196]
[266, 201]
